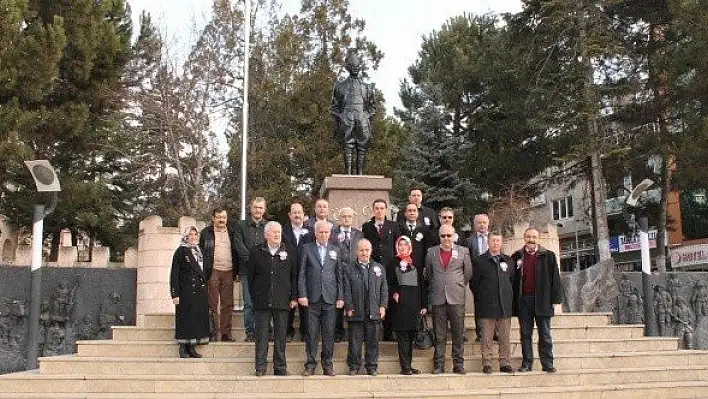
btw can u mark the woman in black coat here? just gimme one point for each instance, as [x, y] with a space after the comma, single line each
[188, 286]
[409, 301]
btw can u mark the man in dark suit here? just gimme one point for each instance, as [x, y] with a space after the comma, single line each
[492, 275]
[365, 301]
[478, 244]
[296, 234]
[448, 270]
[426, 216]
[537, 289]
[447, 216]
[419, 234]
[272, 276]
[321, 213]
[345, 237]
[321, 291]
[382, 233]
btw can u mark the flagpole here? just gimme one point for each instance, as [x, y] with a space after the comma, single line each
[244, 136]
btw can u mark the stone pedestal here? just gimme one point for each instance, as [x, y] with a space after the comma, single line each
[356, 192]
[156, 246]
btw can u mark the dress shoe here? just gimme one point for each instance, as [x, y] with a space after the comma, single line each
[183, 352]
[506, 369]
[338, 337]
[281, 373]
[524, 369]
[307, 372]
[328, 372]
[550, 369]
[459, 370]
[372, 372]
[226, 338]
[193, 352]
[289, 337]
[415, 371]
[353, 372]
[439, 371]
[250, 337]
[406, 372]
[465, 338]
[478, 339]
[260, 373]
[487, 369]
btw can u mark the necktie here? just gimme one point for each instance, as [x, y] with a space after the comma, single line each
[483, 244]
[411, 227]
[379, 228]
[365, 275]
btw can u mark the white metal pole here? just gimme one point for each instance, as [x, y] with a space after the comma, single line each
[244, 136]
[37, 231]
[644, 245]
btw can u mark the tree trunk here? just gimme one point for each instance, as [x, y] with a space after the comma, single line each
[657, 40]
[594, 147]
[599, 195]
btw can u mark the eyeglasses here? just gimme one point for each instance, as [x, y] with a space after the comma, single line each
[445, 235]
[445, 217]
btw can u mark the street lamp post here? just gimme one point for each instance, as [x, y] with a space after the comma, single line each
[46, 180]
[647, 290]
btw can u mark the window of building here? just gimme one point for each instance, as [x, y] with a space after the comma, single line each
[562, 208]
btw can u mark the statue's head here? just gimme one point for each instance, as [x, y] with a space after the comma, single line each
[352, 63]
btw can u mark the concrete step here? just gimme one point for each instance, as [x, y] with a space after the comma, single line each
[561, 320]
[72, 364]
[111, 348]
[615, 382]
[132, 333]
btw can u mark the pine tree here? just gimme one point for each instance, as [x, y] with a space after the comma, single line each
[432, 162]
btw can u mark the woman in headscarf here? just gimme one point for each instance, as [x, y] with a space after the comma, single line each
[188, 287]
[409, 300]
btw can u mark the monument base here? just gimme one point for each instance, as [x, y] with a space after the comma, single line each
[355, 191]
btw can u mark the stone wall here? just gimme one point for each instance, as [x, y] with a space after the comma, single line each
[76, 304]
[680, 300]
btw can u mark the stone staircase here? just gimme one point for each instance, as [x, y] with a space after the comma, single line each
[594, 358]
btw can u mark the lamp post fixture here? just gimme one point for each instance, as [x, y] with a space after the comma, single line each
[47, 181]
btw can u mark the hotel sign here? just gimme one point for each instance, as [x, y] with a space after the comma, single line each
[690, 255]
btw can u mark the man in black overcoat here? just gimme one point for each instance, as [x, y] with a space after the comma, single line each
[272, 276]
[492, 275]
[537, 289]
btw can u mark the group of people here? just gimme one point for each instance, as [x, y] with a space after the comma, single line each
[380, 280]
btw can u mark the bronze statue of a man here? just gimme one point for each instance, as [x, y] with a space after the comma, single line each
[353, 106]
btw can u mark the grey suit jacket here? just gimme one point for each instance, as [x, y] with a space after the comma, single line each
[473, 245]
[317, 281]
[448, 285]
[348, 253]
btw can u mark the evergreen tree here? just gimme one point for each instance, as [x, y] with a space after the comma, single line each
[75, 115]
[431, 161]
[468, 72]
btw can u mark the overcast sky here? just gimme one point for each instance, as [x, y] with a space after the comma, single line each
[396, 26]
